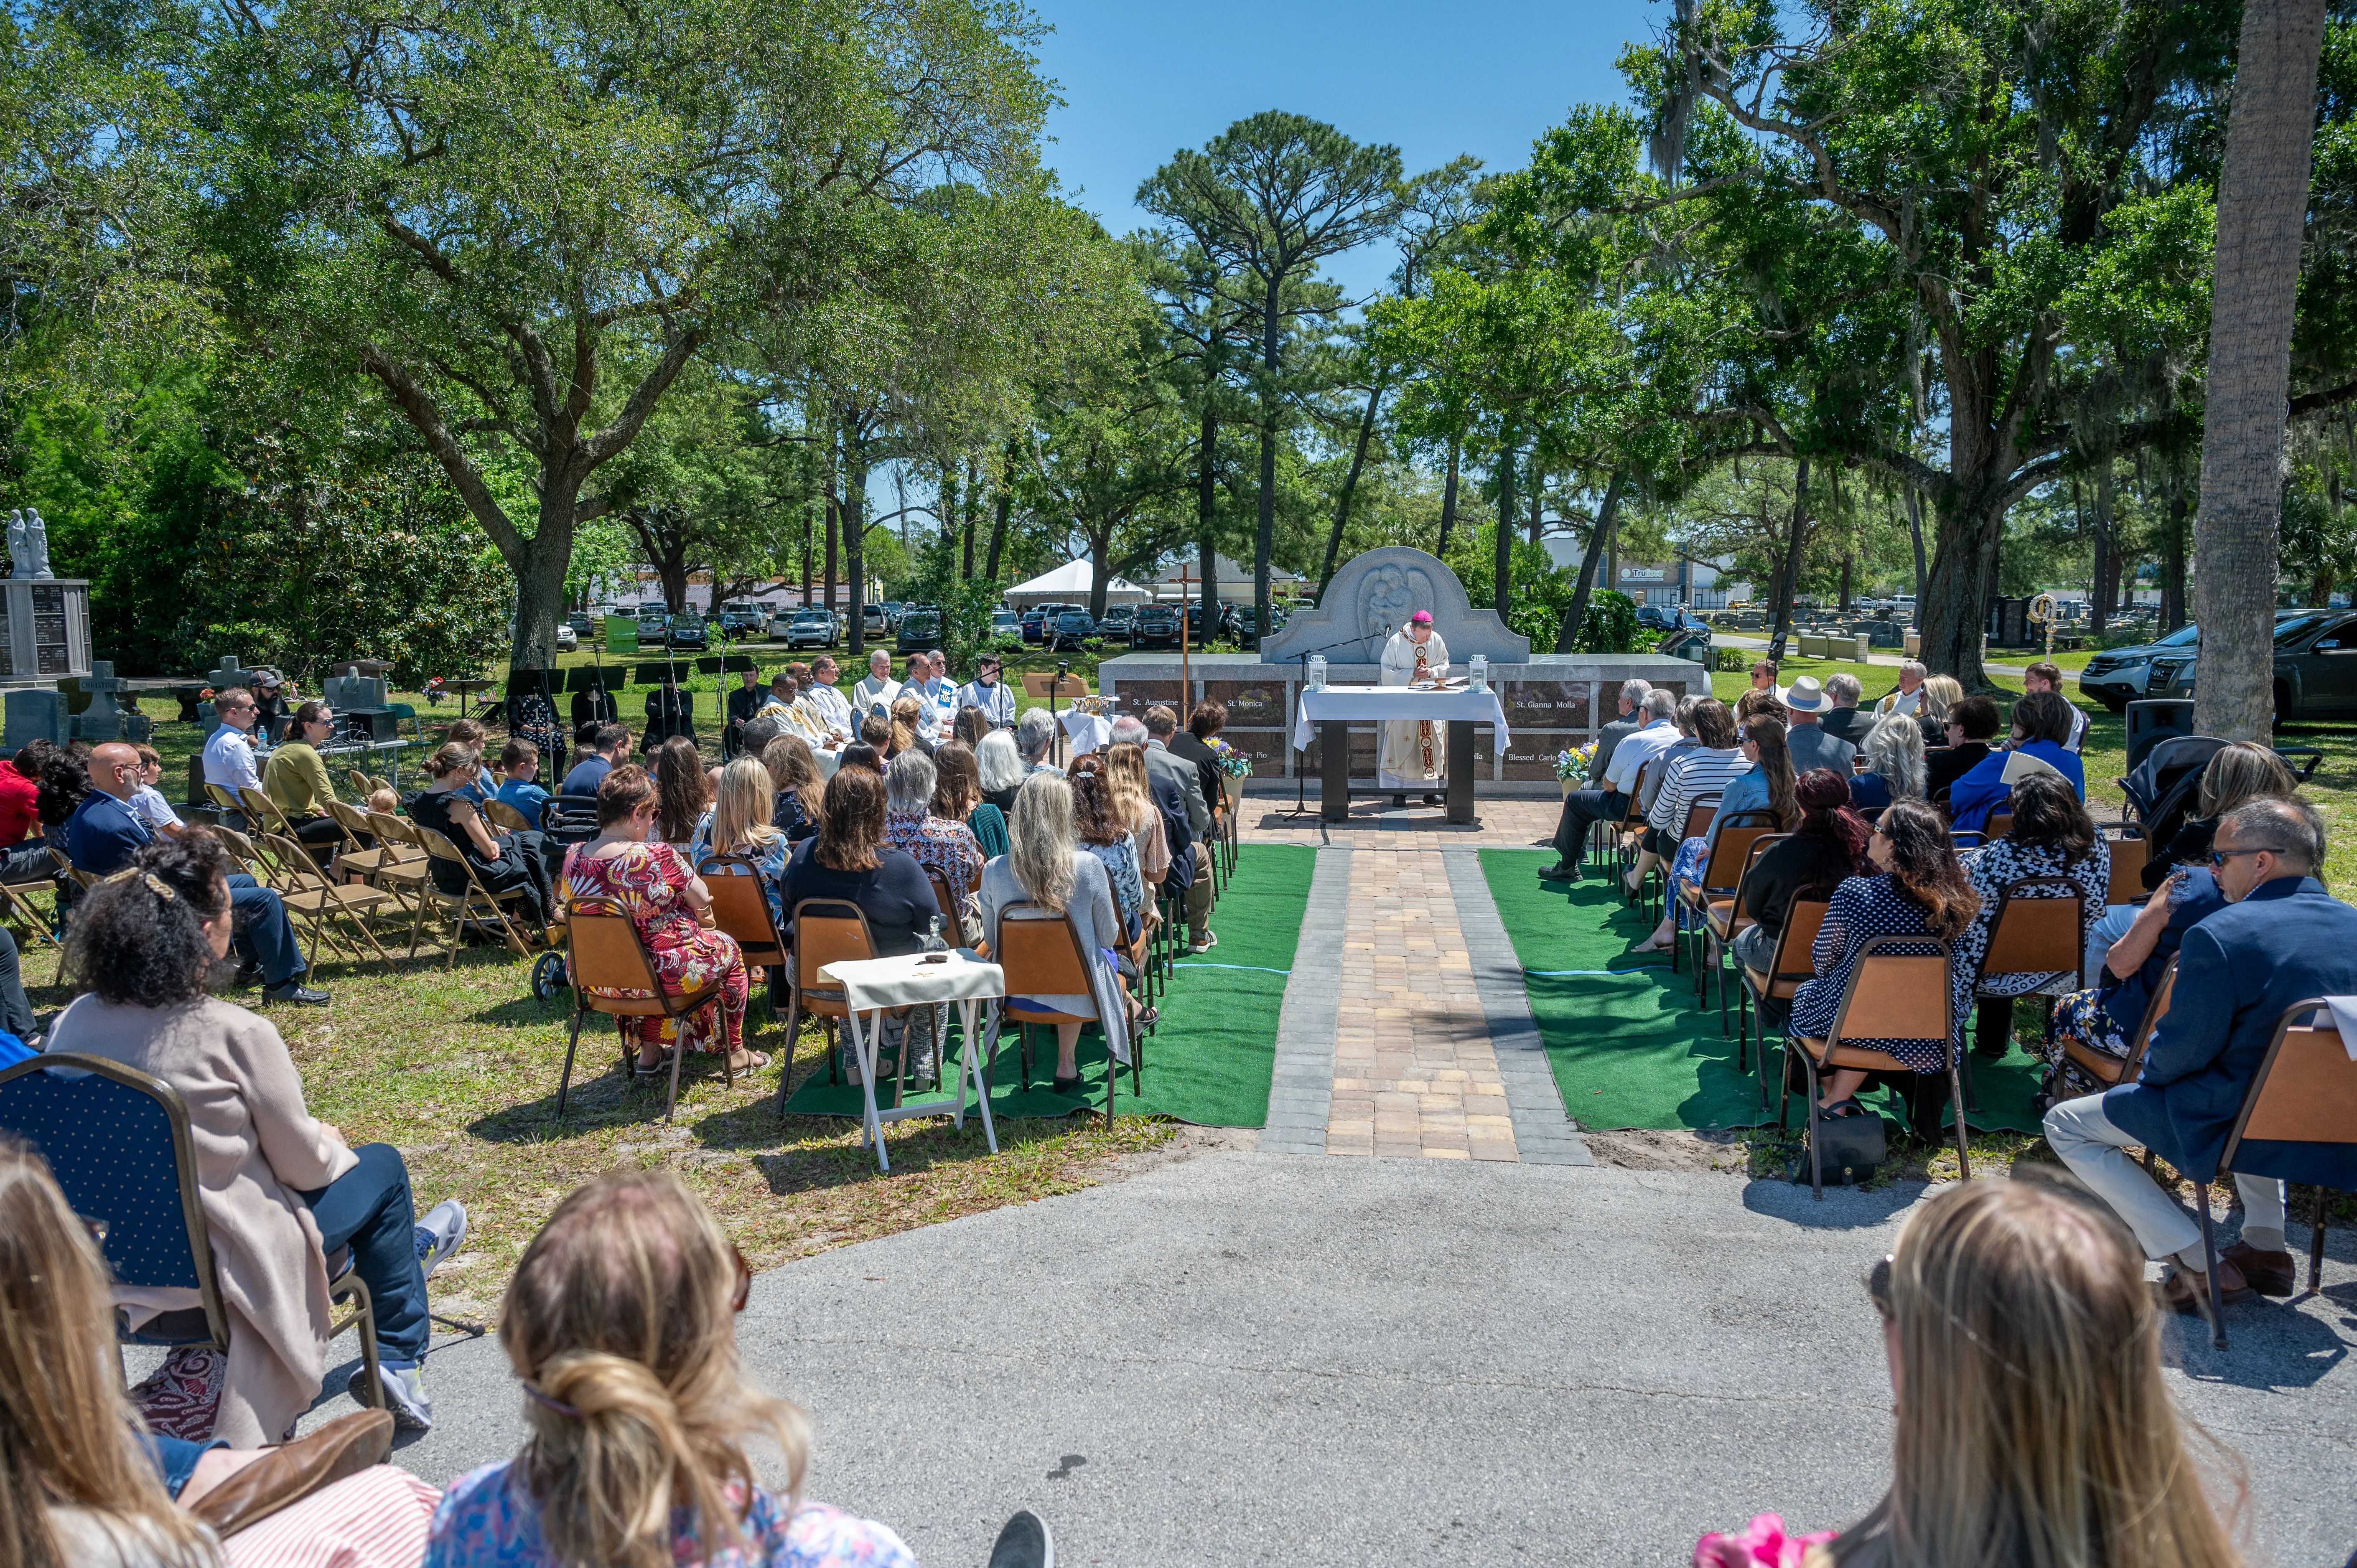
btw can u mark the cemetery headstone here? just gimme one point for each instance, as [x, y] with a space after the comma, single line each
[345, 692]
[34, 712]
[103, 720]
[227, 673]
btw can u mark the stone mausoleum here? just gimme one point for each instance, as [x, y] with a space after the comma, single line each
[1552, 700]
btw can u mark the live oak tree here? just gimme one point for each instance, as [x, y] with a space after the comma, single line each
[477, 207]
[1270, 198]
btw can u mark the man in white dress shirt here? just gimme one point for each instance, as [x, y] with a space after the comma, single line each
[988, 692]
[229, 755]
[1584, 807]
[874, 693]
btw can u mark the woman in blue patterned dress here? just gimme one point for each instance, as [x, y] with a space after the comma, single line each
[620, 1326]
[2052, 836]
[1919, 890]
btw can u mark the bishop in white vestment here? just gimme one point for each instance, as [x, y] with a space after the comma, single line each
[1414, 752]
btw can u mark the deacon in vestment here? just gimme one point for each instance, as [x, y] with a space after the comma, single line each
[1413, 754]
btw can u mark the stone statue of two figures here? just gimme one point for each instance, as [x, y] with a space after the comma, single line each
[28, 545]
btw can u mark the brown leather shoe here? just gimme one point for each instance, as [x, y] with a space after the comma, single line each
[2187, 1292]
[293, 1471]
[2269, 1274]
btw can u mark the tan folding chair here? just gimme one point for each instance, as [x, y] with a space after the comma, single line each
[1042, 955]
[503, 815]
[1999, 825]
[224, 798]
[16, 904]
[307, 892]
[824, 932]
[603, 950]
[352, 859]
[1721, 873]
[741, 909]
[1789, 968]
[406, 869]
[1722, 919]
[2305, 1093]
[476, 902]
[2110, 1070]
[1891, 995]
[261, 809]
[359, 782]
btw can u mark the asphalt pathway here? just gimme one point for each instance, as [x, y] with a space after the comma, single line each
[1263, 1358]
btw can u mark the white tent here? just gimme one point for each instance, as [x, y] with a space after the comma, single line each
[1069, 584]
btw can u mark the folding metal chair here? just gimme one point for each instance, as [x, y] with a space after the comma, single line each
[309, 892]
[1042, 955]
[2110, 1070]
[504, 816]
[824, 932]
[1792, 966]
[1896, 991]
[264, 811]
[117, 1141]
[473, 903]
[740, 908]
[2302, 1100]
[2129, 857]
[1742, 840]
[603, 950]
[2029, 931]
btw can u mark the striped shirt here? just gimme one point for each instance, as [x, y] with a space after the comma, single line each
[1690, 777]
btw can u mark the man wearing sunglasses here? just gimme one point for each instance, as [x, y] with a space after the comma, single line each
[2280, 939]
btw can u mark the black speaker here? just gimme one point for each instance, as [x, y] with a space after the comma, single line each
[2152, 720]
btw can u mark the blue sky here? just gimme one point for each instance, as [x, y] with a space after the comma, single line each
[1470, 76]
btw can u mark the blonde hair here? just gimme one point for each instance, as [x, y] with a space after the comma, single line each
[905, 724]
[1941, 693]
[1133, 795]
[2033, 1426]
[1894, 750]
[2241, 772]
[619, 1323]
[1041, 842]
[790, 762]
[384, 801]
[67, 1437]
[740, 819]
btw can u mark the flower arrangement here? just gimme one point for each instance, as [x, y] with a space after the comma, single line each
[1573, 763]
[1763, 1544]
[1233, 763]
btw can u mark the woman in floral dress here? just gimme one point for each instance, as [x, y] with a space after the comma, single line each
[627, 870]
[2052, 836]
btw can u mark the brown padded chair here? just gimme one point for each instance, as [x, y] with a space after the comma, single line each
[740, 908]
[606, 949]
[1632, 821]
[2129, 857]
[1999, 825]
[2305, 1093]
[1891, 995]
[824, 932]
[1722, 919]
[2028, 932]
[2110, 1070]
[1042, 955]
[1722, 872]
[1699, 813]
[1792, 965]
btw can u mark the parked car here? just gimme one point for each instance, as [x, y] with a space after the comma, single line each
[875, 619]
[1037, 618]
[686, 631]
[568, 639]
[1668, 617]
[812, 627]
[1074, 630]
[1116, 625]
[2118, 676]
[2316, 666]
[1156, 626]
[921, 632]
[1004, 622]
[742, 618]
[582, 622]
[1246, 615]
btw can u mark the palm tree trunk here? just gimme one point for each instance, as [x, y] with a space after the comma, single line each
[2262, 212]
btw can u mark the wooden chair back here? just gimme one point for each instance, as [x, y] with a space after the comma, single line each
[2030, 930]
[1041, 954]
[1794, 963]
[1698, 816]
[1999, 825]
[2306, 1089]
[741, 909]
[1736, 851]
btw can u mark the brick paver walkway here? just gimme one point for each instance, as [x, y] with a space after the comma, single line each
[1374, 823]
[1413, 1071]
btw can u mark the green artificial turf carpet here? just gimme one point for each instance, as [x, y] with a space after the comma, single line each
[1629, 1047]
[1211, 1061]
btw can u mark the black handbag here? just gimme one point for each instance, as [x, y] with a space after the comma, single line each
[1853, 1146]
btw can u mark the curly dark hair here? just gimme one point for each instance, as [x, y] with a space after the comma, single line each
[64, 780]
[139, 937]
[1923, 863]
[2047, 814]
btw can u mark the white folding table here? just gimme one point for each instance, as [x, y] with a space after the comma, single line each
[872, 984]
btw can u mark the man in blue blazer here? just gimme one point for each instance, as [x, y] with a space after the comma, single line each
[2281, 939]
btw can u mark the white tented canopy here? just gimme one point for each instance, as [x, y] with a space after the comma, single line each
[1069, 584]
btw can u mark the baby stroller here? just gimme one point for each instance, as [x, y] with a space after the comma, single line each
[2166, 787]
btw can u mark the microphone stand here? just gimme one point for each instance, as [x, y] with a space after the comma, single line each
[1300, 776]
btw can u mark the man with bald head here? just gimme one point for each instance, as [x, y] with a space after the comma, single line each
[104, 833]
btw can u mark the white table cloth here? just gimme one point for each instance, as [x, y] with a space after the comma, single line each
[1087, 731]
[1367, 705]
[872, 984]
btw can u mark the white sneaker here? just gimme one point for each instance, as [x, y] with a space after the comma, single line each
[442, 1233]
[1211, 940]
[404, 1395]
